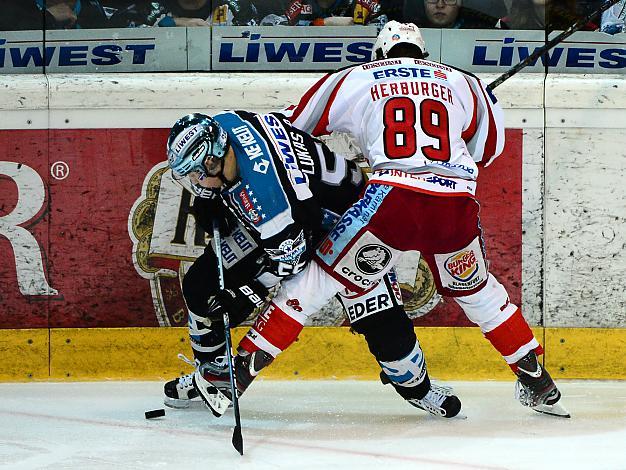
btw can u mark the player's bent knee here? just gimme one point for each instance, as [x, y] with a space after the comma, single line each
[198, 285]
[389, 333]
[488, 307]
[272, 332]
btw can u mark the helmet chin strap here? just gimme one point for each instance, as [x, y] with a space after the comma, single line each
[220, 175]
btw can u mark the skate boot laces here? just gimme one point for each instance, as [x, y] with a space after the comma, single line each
[180, 391]
[184, 381]
[439, 401]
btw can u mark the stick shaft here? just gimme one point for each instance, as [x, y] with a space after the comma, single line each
[237, 439]
[550, 44]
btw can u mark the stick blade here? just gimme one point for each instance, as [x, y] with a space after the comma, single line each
[238, 440]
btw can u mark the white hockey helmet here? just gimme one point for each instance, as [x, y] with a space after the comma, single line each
[395, 33]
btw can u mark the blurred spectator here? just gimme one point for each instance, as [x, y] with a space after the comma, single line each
[190, 12]
[561, 14]
[137, 13]
[454, 13]
[614, 19]
[443, 13]
[72, 14]
[329, 13]
[236, 12]
[585, 7]
[527, 14]
[19, 15]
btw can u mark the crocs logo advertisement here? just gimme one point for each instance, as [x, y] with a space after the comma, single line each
[372, 259]
[356, 278]
[462, 266]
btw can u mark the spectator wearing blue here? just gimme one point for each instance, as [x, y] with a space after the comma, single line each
[614, 19]
[72, 14]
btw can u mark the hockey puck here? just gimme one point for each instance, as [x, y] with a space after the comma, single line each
[155, 413]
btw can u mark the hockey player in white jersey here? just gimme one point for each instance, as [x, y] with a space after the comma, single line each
[425, 129]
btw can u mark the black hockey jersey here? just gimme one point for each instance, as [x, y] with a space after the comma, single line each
[291, 187]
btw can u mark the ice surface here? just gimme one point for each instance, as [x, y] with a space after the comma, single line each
[308, 425]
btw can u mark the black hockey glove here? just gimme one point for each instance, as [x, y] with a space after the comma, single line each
[239, 302]
[207, 210]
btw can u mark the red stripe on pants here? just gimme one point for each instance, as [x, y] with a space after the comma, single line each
[276, 327]
[512, 335]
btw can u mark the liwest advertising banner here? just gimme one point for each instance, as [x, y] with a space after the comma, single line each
[95, 50]
[94, 232]
[281, 48]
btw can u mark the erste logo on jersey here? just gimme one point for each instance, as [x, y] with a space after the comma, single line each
[409, 72]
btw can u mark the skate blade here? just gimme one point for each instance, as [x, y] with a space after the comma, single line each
[553, 410]
[217, 402]
[177, 403]
[193, 404]
[213, 398]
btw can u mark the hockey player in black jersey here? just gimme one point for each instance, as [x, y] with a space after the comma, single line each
[275, 191]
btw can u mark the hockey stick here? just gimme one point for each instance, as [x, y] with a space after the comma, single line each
[550, 44]
[237, 437]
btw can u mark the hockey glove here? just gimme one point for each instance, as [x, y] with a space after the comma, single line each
[208, 210]
[239, 302]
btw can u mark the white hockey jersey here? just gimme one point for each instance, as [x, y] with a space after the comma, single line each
[420, 124]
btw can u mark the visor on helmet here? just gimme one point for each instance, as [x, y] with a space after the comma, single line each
[193, 182]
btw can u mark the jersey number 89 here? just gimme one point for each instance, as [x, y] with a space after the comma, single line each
[400, 136]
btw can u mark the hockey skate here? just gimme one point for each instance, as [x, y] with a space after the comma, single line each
[439, 401]
[536, 389]
[180, 392]
[212, 379]
[212, 382]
